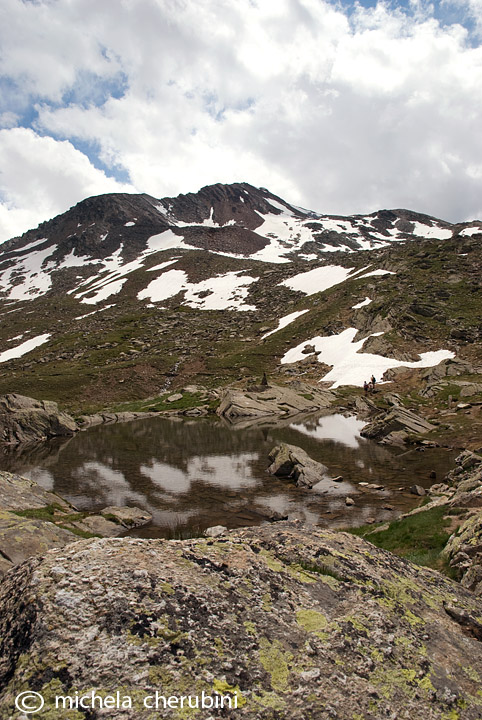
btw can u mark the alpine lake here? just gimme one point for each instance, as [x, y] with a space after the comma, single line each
[191, 474]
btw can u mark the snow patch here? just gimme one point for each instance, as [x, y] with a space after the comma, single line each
[223, 292]
[361, 304]
[31, 245]
[284, 321]
[24, 348]
[352, 367]
[318, 279]
[468, 232]
[431, 231]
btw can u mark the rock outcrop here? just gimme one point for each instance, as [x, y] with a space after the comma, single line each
[282, 621]
[34, 520]
[23, 419]
[395, 426]
[273, 400]
[290, 461]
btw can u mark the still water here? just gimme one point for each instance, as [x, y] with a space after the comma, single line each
[191, 474]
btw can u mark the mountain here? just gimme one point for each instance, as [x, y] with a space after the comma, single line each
[127, 296]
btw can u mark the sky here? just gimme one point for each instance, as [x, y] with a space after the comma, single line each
[341, 107]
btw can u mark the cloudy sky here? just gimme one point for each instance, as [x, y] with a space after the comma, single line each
[340, 107]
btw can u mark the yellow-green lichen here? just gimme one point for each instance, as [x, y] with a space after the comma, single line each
[250, 627]
[311, 620]
[413, 619]
[269, 700]
[275, 661]
[224, 688]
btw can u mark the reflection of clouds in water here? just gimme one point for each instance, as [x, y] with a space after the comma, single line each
[222, 471]
[345, 430]
[110, 484]
[43, 477]
[169, 478]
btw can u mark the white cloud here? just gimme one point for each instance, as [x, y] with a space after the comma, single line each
[41, 177]
[339, 113]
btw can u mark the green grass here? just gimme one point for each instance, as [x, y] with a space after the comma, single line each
[159, 404]
[419, 538]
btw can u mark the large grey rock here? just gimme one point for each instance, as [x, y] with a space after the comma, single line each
[23, 419]
[128, 516]
[464, 552]
[290, 461]
[395, 421]
[275, 400]
[296, 623]
[21, 537]
[19, 493]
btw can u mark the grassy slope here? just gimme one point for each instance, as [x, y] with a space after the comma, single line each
[131, 352]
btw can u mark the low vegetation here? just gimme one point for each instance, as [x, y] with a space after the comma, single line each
[419, 538]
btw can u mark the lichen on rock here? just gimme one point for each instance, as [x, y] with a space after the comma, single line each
[186, 617]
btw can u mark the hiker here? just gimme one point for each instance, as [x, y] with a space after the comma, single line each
[373, 381]
[365, 387]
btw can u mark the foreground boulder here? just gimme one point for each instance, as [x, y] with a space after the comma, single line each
[282, 620]
[23, 419]
[290, 461]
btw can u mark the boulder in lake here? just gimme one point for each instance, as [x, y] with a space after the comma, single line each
[290, 461]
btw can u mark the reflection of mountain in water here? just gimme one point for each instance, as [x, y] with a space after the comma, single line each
[205, 472]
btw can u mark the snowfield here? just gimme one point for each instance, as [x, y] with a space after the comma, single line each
[352, 367]
[24, 348]
[223, 292]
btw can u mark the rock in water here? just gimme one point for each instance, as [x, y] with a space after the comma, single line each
[284, 621]
[293, 462]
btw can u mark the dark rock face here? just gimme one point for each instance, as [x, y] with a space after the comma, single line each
[23, 419]
[288, 622]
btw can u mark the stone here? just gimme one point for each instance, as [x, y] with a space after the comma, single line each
[418, 490]
[128, 516]
[376, 637]
[290, 461]
[395, 420]
[349, 501]
[215, 531]
[19, 493]
[23, 419]
[464, 552]
[275, 400]
[174, 398]
[21, 537]
[98, 525]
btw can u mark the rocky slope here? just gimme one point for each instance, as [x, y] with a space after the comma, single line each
[126, 297]
[289, 621]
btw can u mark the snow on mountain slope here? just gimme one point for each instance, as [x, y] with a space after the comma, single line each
[349, 365]
[109, 238]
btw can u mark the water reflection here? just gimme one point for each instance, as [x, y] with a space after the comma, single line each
[196, 473]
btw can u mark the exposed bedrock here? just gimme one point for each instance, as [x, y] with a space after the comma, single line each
[293, 622]
[23, 419]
